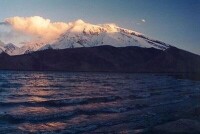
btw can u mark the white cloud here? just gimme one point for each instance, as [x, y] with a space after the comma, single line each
[140, 22]
[8, 35]
[37, 27]
[143, 20]
[39, 30]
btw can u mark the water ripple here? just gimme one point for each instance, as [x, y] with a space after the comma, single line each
[59, 102]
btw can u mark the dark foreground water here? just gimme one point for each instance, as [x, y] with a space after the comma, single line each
[47, 102]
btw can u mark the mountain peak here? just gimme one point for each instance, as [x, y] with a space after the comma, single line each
[10, 45]
[82, 34]
[79, 21]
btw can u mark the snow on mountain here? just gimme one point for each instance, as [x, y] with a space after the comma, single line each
[82, 34]
[1, 47]
[10, 48]
[31, 47]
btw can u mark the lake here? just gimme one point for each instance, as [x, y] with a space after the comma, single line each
[63, 102]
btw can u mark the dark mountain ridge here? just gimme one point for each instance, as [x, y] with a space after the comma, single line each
[105, 59]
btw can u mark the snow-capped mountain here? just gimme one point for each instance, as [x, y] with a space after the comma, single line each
[31, 47]
[82, 34]
[10, 48]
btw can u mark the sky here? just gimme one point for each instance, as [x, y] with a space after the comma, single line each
[176, 22]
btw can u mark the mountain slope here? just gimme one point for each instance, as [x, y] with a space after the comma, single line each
[10, 48]
[1, 47]
[82, 34]
[105, 58]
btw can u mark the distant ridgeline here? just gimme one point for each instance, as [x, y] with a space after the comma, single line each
[104, 58]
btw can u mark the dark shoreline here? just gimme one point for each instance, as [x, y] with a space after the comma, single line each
[177, 75]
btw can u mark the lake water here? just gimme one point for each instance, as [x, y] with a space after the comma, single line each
[44, 102]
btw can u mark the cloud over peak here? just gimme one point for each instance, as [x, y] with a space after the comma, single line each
[36, 29]
[37, 26]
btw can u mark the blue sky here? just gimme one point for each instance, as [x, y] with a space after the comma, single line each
[173, 21]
